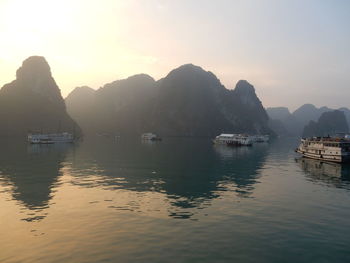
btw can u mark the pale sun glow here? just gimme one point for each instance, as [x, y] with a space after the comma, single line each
[287, 49]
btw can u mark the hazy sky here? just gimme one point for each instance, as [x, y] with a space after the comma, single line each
[293, 52]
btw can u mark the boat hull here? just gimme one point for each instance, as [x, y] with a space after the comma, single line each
[325, 157]
[50, 138]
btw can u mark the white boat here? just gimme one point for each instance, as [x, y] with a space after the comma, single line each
[233, 140]
[150, 137]
[50, 138]
[325, 148]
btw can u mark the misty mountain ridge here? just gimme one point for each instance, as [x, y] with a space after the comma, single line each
[189, 101]
[295, 122]
[330, 123]
[33, 102]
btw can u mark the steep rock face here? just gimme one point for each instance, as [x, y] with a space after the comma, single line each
[246, 93]
[249, 108]
[308, 112]
[193, 102]
[33, 102]
[121, 107]
[329, 123]
[189, 101]
[80, 106]
[278, 113]
[347, 114]
[124, 106]
[295, 122]
[283, 122]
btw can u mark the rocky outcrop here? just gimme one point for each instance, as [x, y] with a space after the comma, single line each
[308, 112]
[295, 122]
[278, 113]
[189, 101]
[33, 102]
[250, 109]
[330, 123]
[81, 107]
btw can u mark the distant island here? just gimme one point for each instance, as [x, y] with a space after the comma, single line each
[189, 101]
[33, 102]
[305, 118]
[329, 123]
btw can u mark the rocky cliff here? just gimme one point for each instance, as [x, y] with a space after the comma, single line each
[330, 123]
[189, 101]
[295, 122]
[33, 102]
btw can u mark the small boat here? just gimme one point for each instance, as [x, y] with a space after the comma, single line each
[150, 137]
[325, 148]
[233, 140]
[50, 138]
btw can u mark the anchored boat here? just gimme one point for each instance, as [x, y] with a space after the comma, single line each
[150, 137]
[325, 148]
[50, 138]
[234, 139]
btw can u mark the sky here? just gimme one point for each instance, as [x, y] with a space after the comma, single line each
[293, 52]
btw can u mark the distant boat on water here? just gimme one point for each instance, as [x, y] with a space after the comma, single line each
[150, 137]
[50, 138]
[239, 139]
[234, 140]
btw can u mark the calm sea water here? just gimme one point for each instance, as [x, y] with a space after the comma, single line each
[180, 200]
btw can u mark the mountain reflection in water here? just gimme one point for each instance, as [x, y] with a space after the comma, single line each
[189, 172]
[184, 199]
[30, 172]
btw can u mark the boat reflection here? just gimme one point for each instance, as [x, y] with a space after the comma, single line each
[188, 171]
[187, 174]
[334, 174]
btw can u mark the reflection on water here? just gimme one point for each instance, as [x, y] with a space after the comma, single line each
[108, 200]
[189, 172]
[334, 174]
[30, 172]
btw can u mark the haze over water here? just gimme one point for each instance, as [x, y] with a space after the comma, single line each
[181, 200]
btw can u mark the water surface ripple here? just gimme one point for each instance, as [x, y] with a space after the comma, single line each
[179, 200]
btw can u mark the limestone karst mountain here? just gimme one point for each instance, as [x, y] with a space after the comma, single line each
[33, 102]
[189, 101]
[330, 123]
[285, 123]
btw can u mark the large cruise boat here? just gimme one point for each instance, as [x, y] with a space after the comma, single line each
[325, 148]
[50, 138]
[234, 139]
